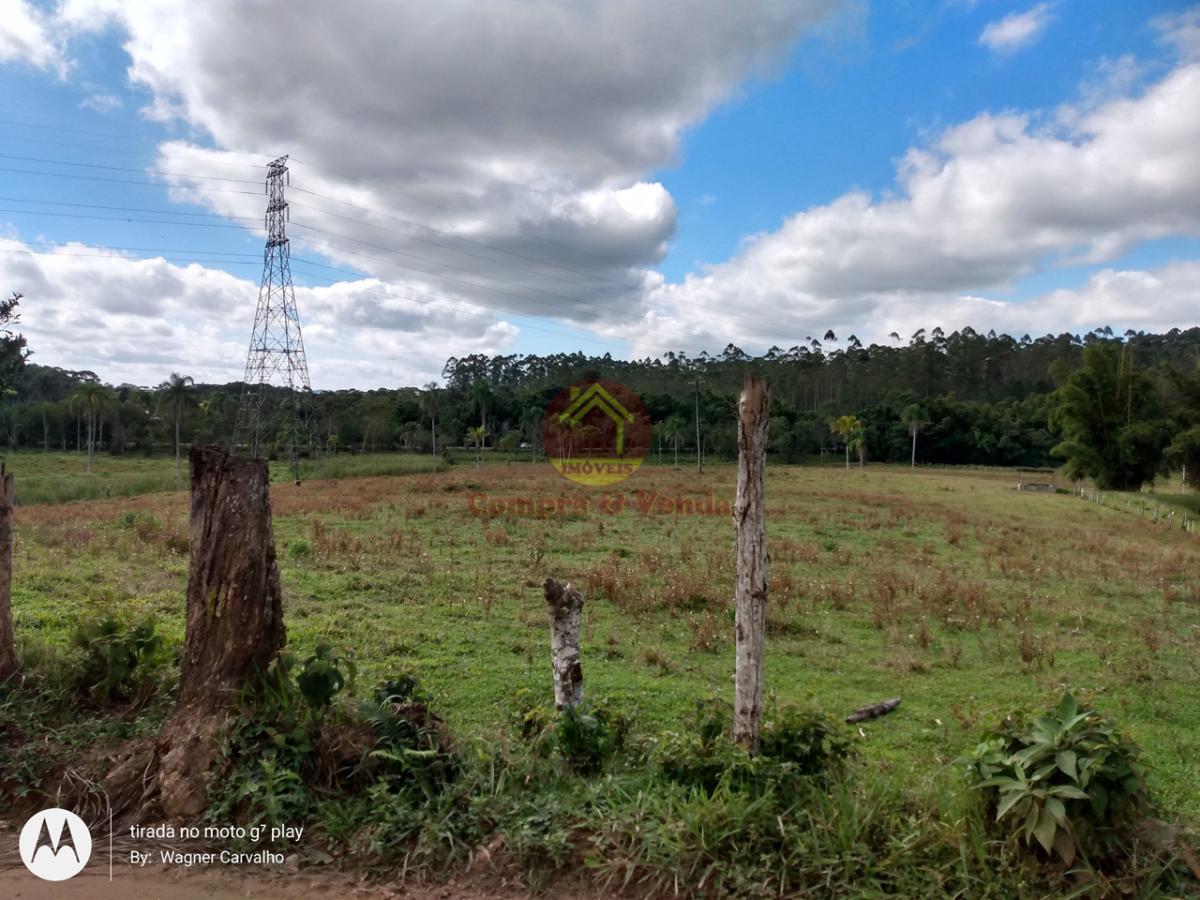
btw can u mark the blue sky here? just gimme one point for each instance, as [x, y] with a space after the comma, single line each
[601, 177]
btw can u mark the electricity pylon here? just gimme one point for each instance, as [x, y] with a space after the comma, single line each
[276, 406]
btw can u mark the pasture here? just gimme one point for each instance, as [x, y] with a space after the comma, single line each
[945, 587]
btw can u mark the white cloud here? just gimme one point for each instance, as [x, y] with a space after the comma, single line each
[1181, 31]
[136, 320]
[526, 128]
[1016, 30]
[992, 200]
[102, 102]
[24, 36]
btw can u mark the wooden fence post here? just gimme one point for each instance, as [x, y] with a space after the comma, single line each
[8, 653]
[234, 617]
[750, 542]
[565, 605]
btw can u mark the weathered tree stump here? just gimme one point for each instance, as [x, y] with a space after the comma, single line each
[234, 617]
[565, 606]
[751, 562]
[8, 653]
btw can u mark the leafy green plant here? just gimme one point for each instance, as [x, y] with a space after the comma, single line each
[805, 738]
[322, 677]
[1068, 780]
[119, 656]
[795, 743]
[588, 736]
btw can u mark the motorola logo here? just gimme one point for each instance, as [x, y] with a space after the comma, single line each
[55, 845]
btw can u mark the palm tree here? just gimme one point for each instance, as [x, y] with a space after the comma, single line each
[914, 419]
[850, 430]
[91, 398]
[475, 437]
[531, 424]
[673, 430]
[175, 394]
[429, 406]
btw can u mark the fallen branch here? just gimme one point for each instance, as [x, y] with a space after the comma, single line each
[874, 711]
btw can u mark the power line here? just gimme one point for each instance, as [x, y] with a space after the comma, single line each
[563, 310]
[157, 184]
[121, 219]
[595, 276]
[165, 212]
[67, 162]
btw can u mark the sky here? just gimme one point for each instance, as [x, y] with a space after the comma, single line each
[528, 176]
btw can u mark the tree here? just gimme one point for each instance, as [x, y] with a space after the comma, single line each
[13, 351]
[92, 399]
[430, 402]
[673, 429]
[914, 418]
[1110, 419]
[510, 441]
[175, 394]
[1184, 450]
[475, 438]
[850, 430]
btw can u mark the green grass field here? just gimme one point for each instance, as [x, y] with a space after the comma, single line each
[49, 478]
[949, 589]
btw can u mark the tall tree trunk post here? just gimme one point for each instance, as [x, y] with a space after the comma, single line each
[234, 617]
[750, 541]
[914, 453]
[177, 466]
[8, 653]
[565, 606]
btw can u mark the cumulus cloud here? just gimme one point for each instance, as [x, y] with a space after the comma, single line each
[991, 200]
[136, 320]
[25, 37]
[502, 149]
[1016, 30]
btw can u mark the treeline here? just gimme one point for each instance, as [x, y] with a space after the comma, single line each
[984, 399]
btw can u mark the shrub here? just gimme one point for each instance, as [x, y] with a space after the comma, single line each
[119, 656]
[795, 743]
[587, 737]
[806, 739]
[1069, 781]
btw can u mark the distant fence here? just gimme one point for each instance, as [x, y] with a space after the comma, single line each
[1151, 512]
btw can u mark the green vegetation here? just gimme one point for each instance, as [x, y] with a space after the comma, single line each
[1121, 408]
[1113, 427]
[1070, 780]
[412, 730]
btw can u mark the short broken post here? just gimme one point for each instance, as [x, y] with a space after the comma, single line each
[565, 606]
[750, 542]
[8, 652]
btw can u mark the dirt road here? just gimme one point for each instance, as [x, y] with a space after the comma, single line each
[159, 884]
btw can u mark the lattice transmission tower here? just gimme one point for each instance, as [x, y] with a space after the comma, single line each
[275, 412]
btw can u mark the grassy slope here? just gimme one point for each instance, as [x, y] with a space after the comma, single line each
[948, 588]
